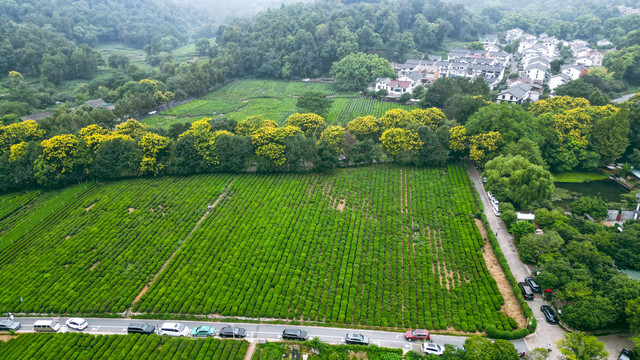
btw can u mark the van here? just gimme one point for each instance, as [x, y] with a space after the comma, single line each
[46, 326]
[174, 329]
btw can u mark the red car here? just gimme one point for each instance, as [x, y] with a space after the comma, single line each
[418, 334]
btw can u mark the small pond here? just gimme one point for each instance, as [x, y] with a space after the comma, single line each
[607, 189]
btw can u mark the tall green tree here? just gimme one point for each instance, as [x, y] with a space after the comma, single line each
[515, 179]
[313, 102]
[580, 346]
[357, 71]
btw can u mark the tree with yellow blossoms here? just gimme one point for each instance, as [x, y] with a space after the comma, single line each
[482, 144]
[18, 132]
[310, 124]
[431, 117]
[398, 140]
[364, 127]
[270, 142]
[64, 159]
[132, 128]
[154, 149]
[333, 137]
[557, 104]
[252, 124]
[396, 118]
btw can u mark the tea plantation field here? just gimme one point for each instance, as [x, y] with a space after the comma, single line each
[275, 100]
[89, 347]
[383, 246]
[91, 248]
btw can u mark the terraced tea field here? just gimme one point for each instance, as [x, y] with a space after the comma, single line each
[383, 246]
[274, 100]
[89, 347]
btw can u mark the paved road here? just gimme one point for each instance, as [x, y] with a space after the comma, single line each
[545, 334]
[265, 332]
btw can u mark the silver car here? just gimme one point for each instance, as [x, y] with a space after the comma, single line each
[8, 325]
[356, 339]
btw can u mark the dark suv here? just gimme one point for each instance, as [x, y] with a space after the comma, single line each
[141, 328]
[532, 284]
[526, 291]
[294, 334]
[549, 314]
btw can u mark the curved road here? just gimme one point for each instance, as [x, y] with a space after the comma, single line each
[545, 334]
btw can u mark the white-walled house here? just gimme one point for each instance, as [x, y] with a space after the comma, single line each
[573, 71]
[516, 94]
[536, 72]
[557, 80]
[394, 87]
[583, 61]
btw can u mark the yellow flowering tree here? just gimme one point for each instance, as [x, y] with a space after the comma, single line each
[252, 124]
[18, 151]
[398, 140]
[270, 142]
[310, 124]
[18, 132]
[333, 137]
[63, 159]
[396, 118]
[364, 127]
[481, 144]
[15, 78]
[153, 148]
[431, 117]
[132, 128]
[273, 152]
[557, 104]
[458, 139]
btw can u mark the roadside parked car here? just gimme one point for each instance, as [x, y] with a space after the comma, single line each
[356, 339]
[294, 334]
[625, 354]
[203, 331]
[432, 349]
[532, 284]
[526, 291]
[229, 331]
[8, 325]
[418, 334]
[174, 329]
[140, 328]
[549, 314]
[77, 323]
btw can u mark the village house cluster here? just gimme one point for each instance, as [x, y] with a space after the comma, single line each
[535, 54]
[531, 64]
[489, 64]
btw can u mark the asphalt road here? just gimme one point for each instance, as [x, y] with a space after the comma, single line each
[545, 333]
[263, 332]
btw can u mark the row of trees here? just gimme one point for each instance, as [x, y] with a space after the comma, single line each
[31, 155]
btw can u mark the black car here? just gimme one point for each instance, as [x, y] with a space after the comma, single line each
[625, 354]
[526, 291]
[232, 331]
[141, 328]
[356, 339]
[532, 284]
[549, 314]
[8, 325]
[294, 334]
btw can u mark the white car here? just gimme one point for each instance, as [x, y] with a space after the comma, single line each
[174, 329]
[432, 349]
[77, 323]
